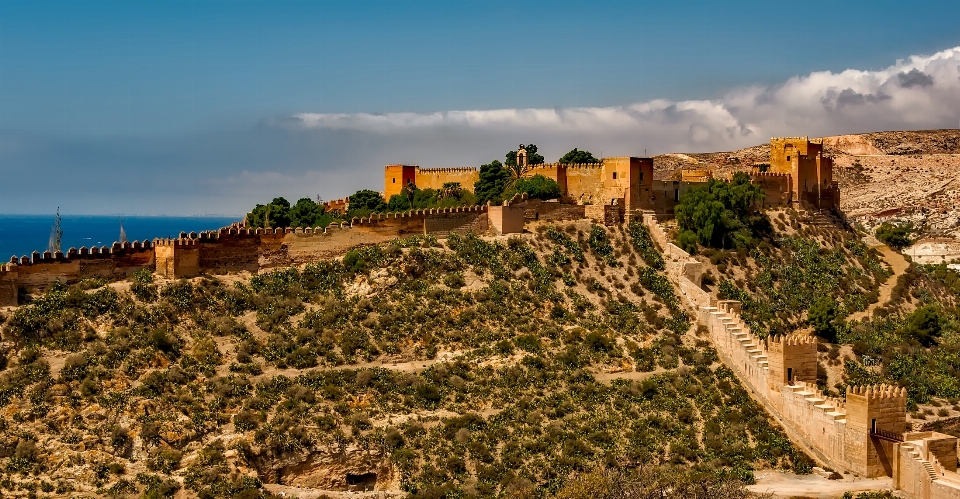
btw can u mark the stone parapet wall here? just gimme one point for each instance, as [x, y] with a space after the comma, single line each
[434, 178]
[40, 270]
[780, 372]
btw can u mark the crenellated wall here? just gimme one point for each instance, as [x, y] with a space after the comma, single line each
[40, 270]
[434, 178]
[859, 433]
[231, 249]
[776, 187]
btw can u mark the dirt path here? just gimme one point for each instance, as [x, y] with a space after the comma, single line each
[899, 264]
[784, 485]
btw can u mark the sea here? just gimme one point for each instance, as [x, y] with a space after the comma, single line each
[23, 234]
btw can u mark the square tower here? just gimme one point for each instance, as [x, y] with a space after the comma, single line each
[628, 178]
[876, 415]
[811, 174]
[395, 177]
[791, 358]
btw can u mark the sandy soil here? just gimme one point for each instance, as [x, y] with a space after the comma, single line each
[308, 493]
[788, 485]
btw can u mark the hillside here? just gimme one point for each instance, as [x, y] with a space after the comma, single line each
[475, 367]
[912, 176]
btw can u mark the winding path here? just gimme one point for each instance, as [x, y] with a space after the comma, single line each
[899, 264]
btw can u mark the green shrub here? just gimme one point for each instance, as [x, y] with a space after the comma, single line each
[895, 235]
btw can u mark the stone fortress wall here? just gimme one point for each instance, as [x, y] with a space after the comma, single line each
[230, 249]
[864, 433]
[627, 178]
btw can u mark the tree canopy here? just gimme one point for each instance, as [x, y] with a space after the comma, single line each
[537, 187]
[366, 201]
[578, 157]
[721, 214]
[491, 183]
[449, 195]
[895, 235]
[825, 317]
[279, 213]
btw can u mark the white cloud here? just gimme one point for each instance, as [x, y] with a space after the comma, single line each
[918, 92]
[332, 155]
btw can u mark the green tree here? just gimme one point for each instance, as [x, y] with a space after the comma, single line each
[538, 187]
[722, 214]
[398, 202]
[578, 157]
[366, 201]
[307, 213]
[824, 316]
[895, 235]
[491, 183]
[925, 325]
[272, 215]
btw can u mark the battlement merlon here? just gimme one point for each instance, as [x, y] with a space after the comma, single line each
[793, 339]
[878, 392]
[458, 169]
[116, 248]
[176, 243]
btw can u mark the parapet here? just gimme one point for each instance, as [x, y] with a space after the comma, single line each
[755, 172]
[8, 270]
[582, 166]
[879, 392]
[792, 340]
[176, 243]
[336, 204]
[459, 169]
[83, 252]
[517, 198]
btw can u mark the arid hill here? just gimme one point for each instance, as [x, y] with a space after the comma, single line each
[911, 176]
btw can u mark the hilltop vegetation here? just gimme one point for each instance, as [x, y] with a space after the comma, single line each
[469, 368]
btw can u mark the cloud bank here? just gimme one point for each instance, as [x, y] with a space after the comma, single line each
[331, 155]
[922, 91]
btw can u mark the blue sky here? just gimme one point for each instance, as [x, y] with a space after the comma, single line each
[209, 107]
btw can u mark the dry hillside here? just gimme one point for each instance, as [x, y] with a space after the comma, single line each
[904, 175]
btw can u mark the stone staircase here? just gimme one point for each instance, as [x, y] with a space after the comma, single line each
[914, 452]
[813, 397]
[820, 218]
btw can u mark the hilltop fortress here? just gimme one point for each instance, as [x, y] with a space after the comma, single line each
[798, 174]
[864, 433]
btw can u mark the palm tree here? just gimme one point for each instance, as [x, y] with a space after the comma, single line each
[450, 190]
[410, 190]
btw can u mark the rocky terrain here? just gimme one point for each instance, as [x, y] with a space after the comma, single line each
[906, 176]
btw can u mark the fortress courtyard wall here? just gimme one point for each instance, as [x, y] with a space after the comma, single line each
[434, 178]
[585, 184]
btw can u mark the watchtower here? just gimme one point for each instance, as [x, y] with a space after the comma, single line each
[876, 420]
[396, 177]
[811, 173]
[791, 358]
